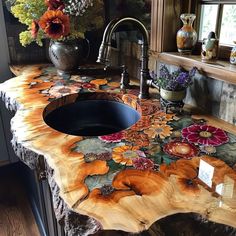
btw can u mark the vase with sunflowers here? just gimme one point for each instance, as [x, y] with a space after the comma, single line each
[64, 22]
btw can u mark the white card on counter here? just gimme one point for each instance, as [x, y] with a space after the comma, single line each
[220, 189]
[205, 173]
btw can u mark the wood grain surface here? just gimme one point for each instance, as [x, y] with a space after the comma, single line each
[97, 177]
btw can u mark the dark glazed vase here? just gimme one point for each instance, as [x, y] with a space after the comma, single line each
[68, 55]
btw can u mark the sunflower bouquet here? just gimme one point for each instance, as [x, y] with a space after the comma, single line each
[56, 19]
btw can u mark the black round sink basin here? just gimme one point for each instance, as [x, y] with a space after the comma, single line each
[91, 117]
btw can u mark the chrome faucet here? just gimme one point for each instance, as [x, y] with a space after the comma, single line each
[105, 48]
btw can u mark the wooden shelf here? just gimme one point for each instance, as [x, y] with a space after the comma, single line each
[220, 70]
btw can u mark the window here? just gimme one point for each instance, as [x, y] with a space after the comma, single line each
[220, 17]
[165, 23]
[212, 15]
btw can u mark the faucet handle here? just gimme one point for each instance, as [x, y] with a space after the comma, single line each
[124, 83]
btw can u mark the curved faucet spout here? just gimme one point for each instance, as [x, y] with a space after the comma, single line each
[104, 51]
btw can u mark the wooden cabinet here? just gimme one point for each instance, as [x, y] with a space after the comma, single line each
[3, 147]
[42, 205]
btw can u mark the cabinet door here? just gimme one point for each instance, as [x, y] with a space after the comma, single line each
[41, 201]
[6, 151]
[3, 147]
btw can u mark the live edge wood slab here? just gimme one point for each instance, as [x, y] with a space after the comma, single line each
[128, 180]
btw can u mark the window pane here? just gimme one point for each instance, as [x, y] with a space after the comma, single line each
[228, 26]
[208, 20]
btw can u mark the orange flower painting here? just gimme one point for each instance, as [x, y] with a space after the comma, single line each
[159, 130]
[126, 154]
[162, 117]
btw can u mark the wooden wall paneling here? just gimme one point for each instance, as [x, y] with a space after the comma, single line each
[172, 24]
[157, 25]
[227, 104]
[165, 22]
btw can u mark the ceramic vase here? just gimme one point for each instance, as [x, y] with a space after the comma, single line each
[68, 55]
[233, 55]
[186, 36]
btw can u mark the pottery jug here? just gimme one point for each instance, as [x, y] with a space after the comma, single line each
[68, 55]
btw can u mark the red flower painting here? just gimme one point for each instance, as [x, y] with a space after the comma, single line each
[112, 138]
[205, 135]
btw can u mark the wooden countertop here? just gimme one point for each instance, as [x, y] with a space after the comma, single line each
[129, 180]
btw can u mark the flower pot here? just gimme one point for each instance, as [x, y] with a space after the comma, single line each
[173, 96]
[186, 36]
[68, 55]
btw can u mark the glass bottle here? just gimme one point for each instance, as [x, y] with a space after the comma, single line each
[186, 36]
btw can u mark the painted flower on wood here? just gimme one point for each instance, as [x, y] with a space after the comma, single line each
[59, 91]
[142, 163]
[208, 149]
[89, 157]
[99, 82]
[125, 154]
[205, 135]
[136, 138]
[143, 123]
[162, 117]
[55, 24]
[159, 130]
[184, 172]
[112, 138]
[88, 85]
[149, 108]
[181, 149]
[154, 148]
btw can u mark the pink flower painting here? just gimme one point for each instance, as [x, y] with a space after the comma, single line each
[205, 135]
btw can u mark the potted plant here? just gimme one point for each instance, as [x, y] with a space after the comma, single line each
[173, 85]
[64, 22]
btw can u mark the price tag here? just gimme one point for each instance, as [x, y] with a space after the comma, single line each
[206, 172]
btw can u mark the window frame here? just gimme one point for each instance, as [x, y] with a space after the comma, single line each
[224, 50]
[163, 47]
[162, 15]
